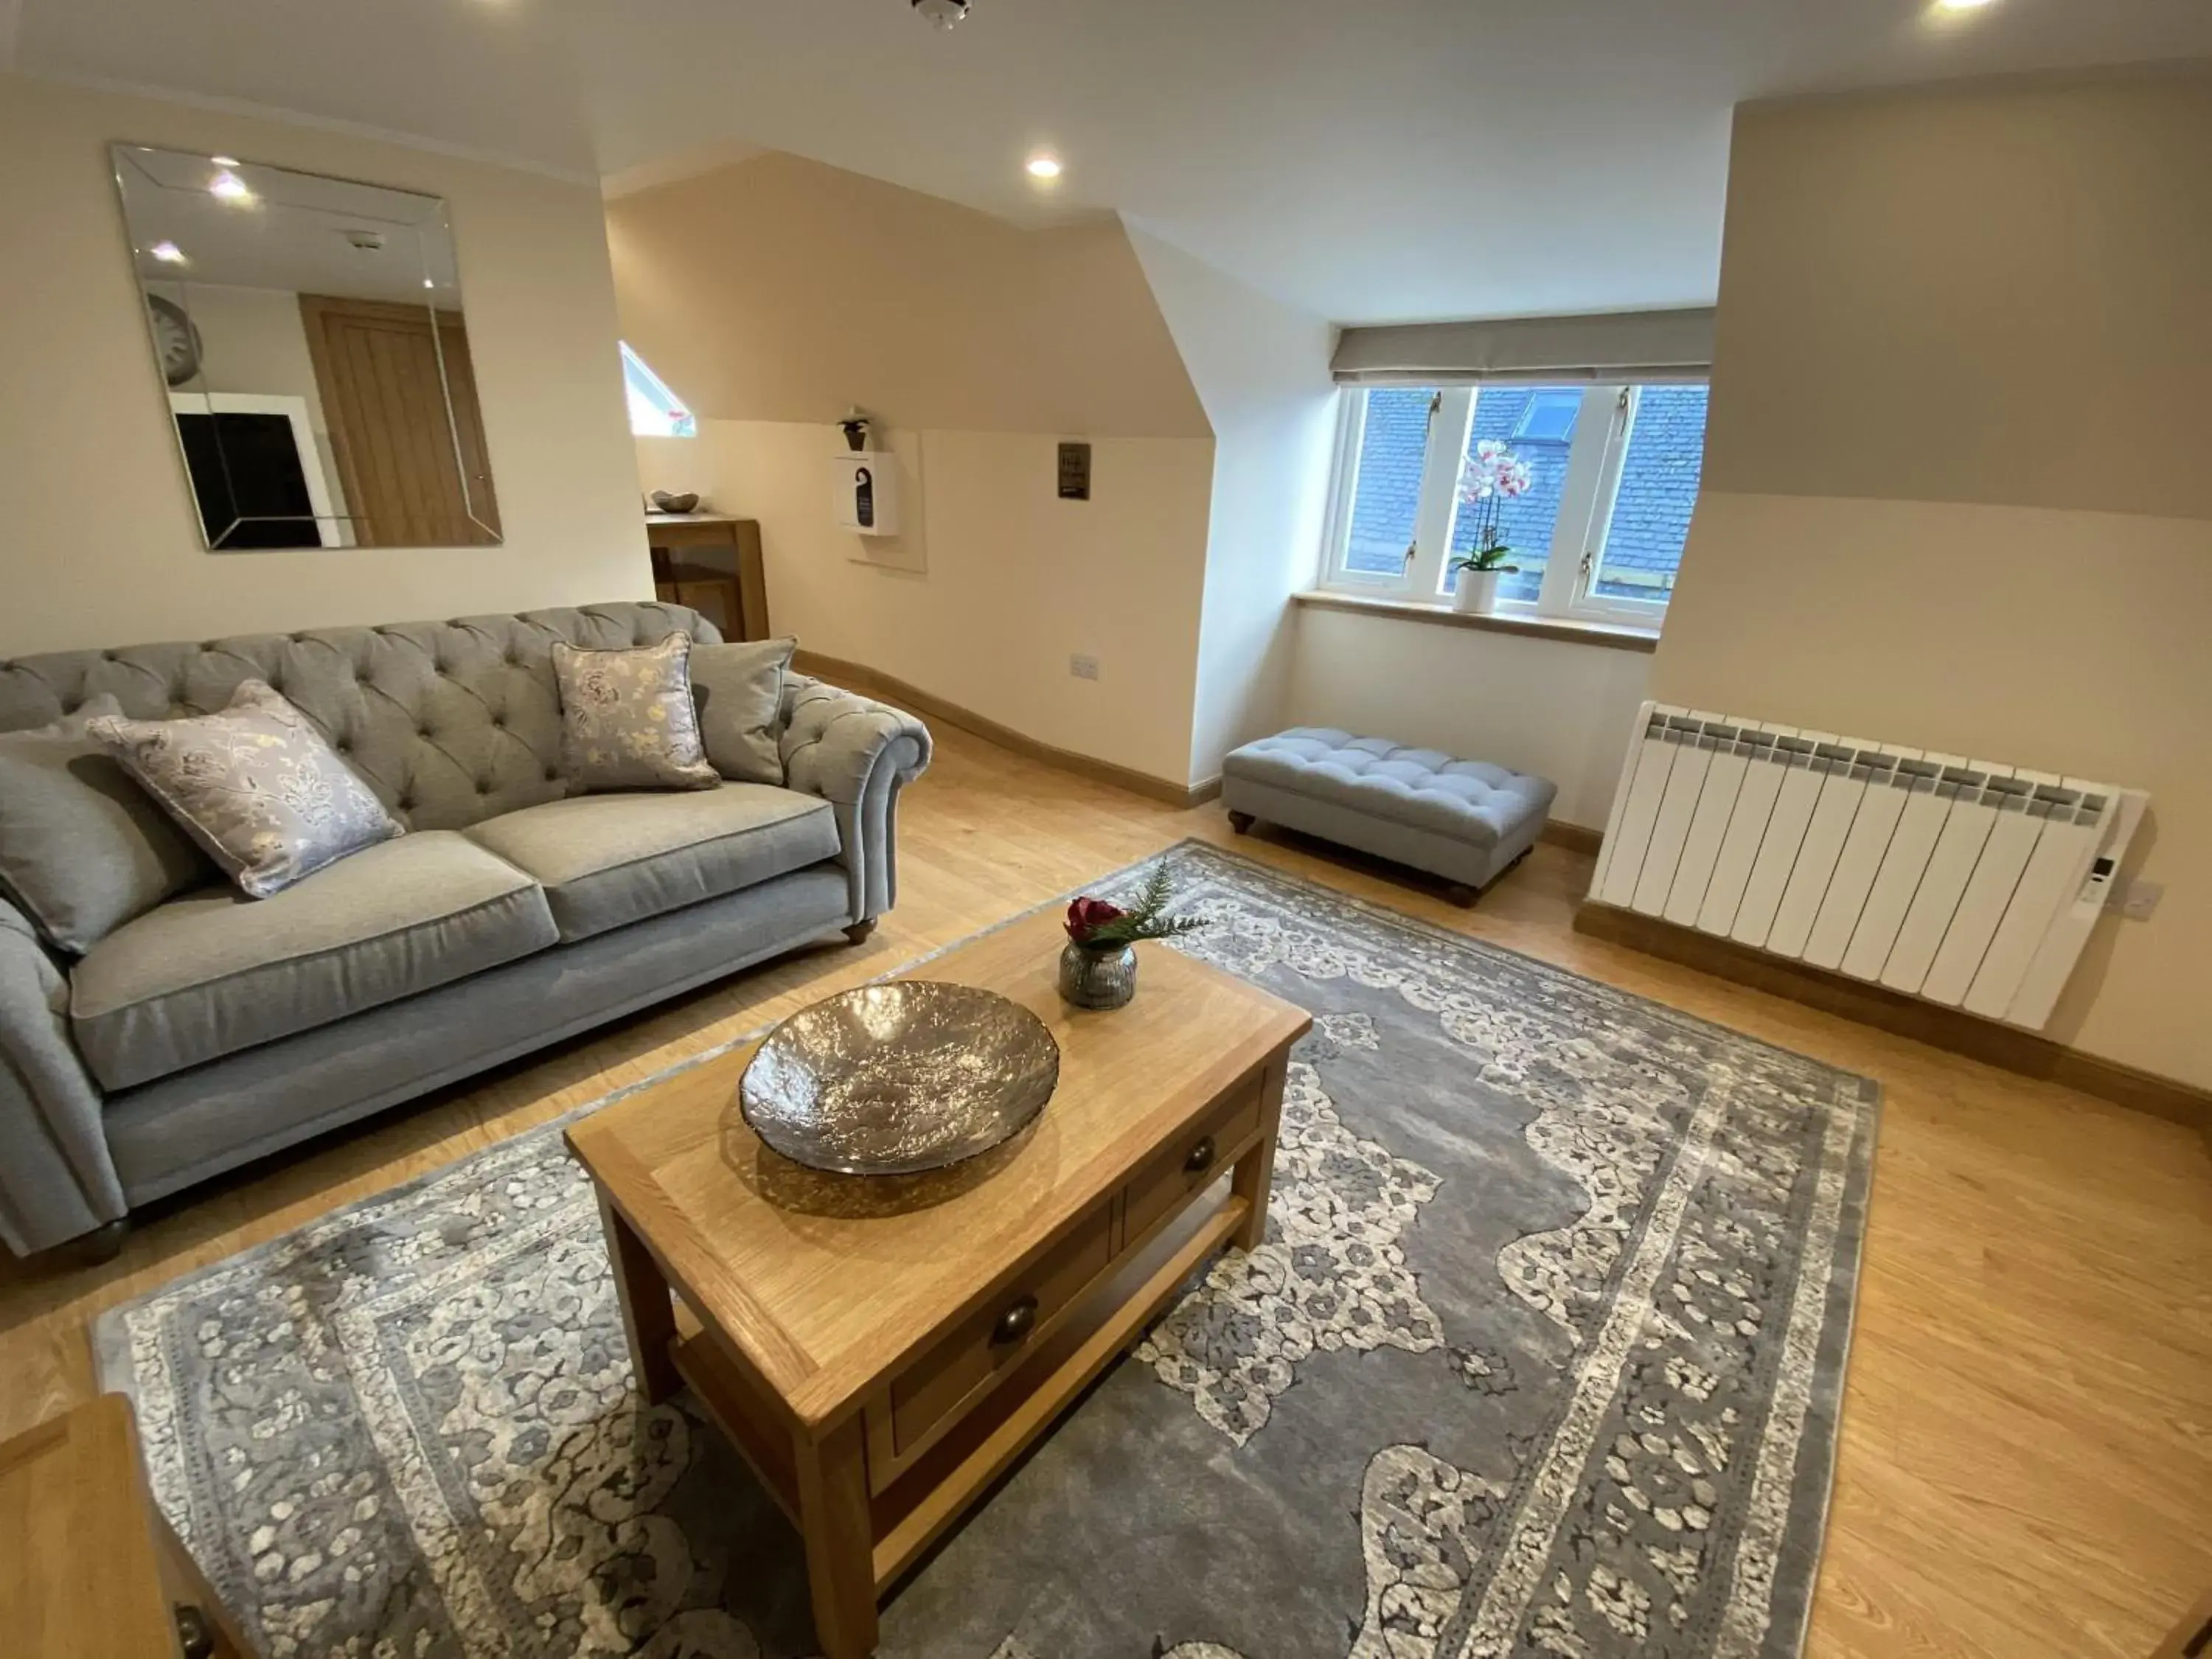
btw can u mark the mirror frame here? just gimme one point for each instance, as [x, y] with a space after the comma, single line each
[437, 218]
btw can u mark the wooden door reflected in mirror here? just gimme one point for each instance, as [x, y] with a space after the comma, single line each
[388, 382]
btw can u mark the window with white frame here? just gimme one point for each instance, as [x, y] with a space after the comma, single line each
[653, 410]
[1590, 486]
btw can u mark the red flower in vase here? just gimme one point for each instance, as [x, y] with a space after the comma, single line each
[1087, 915]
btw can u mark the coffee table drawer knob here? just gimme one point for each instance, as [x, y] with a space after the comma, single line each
[1201, 1156]
[1015, 1324]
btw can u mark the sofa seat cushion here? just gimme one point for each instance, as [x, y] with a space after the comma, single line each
[213, 972]
[606, 860]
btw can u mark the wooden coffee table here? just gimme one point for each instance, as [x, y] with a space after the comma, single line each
[881, 1350]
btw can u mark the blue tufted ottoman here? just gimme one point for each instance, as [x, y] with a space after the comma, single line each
[1466, 821]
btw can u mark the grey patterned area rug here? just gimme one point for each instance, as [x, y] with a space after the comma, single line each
[1541, 1357]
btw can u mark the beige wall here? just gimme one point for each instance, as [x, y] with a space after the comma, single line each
[1559, 710]
[774, 294]
[99, 543]
[1957, 493]
[1017, 579]
[780, 289]
[1994, 294]
[1261, 369]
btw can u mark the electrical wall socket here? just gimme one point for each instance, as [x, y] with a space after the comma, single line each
[1082, 667]
[2139, 898]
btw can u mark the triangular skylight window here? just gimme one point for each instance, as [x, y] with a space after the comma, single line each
[654, 411]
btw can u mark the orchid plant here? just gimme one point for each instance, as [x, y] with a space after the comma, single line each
[1491, 475]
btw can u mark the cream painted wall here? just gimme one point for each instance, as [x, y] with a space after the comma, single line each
[773, 294]
[1994, 293]
[1017, 579]
[1560, 710]
[1260, 368]
[1918, 260]
[98, 540]
[782, 289]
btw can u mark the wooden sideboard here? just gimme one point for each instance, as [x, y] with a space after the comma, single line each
[712, 563]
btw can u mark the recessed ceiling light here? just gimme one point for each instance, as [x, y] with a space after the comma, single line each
[1960, 5]
[427, 283]
[224, 160]
[168, 254]
[1044, 167]
[228, 186]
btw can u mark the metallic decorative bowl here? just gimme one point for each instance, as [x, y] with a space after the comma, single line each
[898, 1077]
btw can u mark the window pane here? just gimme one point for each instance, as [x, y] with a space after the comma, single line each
[653, 410]
[1386, 493]
[1537, 426]
[1658, 487]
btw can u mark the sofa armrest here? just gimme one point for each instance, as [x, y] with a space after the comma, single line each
[57, 1179]
[857, 754]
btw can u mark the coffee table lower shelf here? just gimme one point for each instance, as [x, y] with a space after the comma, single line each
[919, 1507]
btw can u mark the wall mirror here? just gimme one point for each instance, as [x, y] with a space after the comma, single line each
[310, 335]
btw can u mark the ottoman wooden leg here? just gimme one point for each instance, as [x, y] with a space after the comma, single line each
[1240, 822]
[1464, 896]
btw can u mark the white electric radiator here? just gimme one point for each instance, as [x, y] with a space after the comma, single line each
[1963, 882]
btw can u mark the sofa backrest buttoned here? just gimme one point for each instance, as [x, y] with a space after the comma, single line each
[448, 722]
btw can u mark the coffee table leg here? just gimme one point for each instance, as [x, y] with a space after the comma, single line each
[841, 1554]
[648, 1315]
[1254, 1178]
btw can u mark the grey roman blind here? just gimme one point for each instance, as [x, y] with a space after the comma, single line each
[1634, 346]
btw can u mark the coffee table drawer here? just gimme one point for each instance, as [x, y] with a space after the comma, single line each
[1000, 1334]
[1195, 1159]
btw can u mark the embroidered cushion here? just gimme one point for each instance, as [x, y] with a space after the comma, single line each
[83, 849]
[739, 691]
[627, 719]
[256, 785]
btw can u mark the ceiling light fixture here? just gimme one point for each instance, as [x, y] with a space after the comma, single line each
[1044, 167]
[229, 187]
[224, 160]
[940, 14]
[168, 254]
[1960, 5]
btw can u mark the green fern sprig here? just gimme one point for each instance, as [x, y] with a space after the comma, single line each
[1145, 918]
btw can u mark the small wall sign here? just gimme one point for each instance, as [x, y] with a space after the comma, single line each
[1075, 472]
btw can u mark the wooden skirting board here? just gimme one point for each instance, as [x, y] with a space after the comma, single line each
[871, 682]
[1961, 1033]
[1574, 837]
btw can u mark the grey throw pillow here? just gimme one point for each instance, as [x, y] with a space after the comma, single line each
[627, 720]
[257, 786]
[83, 849]
[738, 690]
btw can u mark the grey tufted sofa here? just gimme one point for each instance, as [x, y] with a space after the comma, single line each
[214, 1028]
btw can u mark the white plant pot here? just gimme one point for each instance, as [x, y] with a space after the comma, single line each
[1476, 591]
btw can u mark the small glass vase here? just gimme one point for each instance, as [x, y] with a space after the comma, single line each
[1097, 978]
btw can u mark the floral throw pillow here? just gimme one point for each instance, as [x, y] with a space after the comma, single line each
[256, 785]
[627, 719]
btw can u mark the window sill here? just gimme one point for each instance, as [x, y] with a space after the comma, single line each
[1616, 636]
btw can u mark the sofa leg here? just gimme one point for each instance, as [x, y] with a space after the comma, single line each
[101, 1245]
[1462, 894]
[1240, 822]
[859, 932]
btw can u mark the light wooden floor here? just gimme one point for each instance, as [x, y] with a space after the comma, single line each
[2026, 1459]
